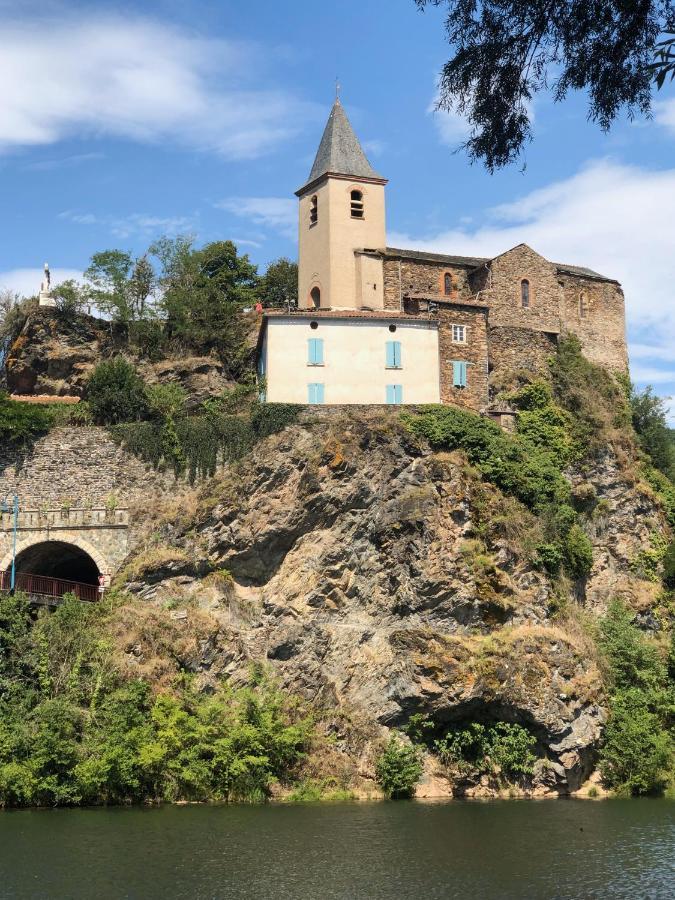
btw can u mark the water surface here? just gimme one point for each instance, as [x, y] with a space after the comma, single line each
[552, 849]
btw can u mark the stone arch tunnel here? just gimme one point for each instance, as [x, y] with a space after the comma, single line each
[63, 551]
[59, 560]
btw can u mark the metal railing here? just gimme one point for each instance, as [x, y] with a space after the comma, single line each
[46, 586]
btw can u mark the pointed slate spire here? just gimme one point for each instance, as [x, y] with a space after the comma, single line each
[340, 152]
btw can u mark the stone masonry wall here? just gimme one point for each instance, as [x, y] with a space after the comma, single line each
[602, 330]
[503, 291]
[475, 352]
[416, 277]
[519, 349]
[78, 467]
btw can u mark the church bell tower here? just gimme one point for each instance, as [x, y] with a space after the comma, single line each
[342, 214]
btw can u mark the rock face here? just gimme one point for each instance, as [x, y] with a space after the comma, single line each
[374, 575]
[55, 354]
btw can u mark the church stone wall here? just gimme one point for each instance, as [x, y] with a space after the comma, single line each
[602, 330]
[503, 291]
[408, 276]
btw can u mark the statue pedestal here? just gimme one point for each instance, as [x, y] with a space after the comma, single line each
[46, 300]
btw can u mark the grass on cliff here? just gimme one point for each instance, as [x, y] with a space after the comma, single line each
[76, 729]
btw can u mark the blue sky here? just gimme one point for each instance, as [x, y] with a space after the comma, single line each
[119, 123]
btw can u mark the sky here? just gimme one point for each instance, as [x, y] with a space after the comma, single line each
[123, 122]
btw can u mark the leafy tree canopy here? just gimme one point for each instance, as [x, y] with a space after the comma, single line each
[507, 51]
[279, 284]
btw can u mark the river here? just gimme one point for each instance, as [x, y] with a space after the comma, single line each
[548, 849]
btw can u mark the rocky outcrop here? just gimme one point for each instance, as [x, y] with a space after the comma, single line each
[55, 353]
[374, 575]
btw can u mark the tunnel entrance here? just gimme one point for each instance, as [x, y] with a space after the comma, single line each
[57, 559]
[49, 569]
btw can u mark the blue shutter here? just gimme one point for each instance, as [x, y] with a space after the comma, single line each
[459, 374]
[393, 354]
[394, 393]
[315, 393]
[315, 351]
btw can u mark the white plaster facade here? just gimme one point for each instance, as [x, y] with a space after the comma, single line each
[354, 359]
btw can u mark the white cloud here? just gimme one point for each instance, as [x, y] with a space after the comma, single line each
[279, 214]
[140, 79]
[136, 224]
[27, 281]
[452, 126]
[664, 114]
[65, 162]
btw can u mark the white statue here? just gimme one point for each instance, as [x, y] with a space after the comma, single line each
[45, 296]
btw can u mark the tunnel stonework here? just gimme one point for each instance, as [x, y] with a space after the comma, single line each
[75, 486]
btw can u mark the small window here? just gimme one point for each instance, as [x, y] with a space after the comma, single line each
[393, 355]
[459, 379]
[459, 334]
[313, 325]
[392, 328]
[315, 352]
[356, 204]
[447, 284]
[525, 293]
[394, 393]
[315, 393]
[314, 211]
[315, 296]
[583, 306]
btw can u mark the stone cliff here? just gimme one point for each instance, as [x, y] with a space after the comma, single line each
[381, 580]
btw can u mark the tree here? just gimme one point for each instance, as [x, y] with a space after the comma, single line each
[14, 310]
[279, 285]
[119, 285]
[203, 292]
[70, 297]
[649, 417]
[506, 51]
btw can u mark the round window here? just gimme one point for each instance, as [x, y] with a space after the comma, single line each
[392, 328]
[314, 325]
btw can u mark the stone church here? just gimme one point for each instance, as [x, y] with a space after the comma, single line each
[376, 324]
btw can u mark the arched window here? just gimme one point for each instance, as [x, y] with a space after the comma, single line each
[356, 204]
[447, 284]
[583, 306]
[314, 210]
[315, 296]
[525, 293]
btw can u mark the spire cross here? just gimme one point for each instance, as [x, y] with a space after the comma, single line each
[337, 88]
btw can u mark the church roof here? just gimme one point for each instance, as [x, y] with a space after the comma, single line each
[340, 152]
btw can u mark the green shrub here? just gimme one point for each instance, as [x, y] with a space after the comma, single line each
[522, 470]
[504, 747]
[116, 393]
[20, 423]
[73, 731]
[578, 552]
[195, 444]
[637, 752]
[398, 769]
[669, 566]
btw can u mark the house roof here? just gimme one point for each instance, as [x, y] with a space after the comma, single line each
[340, 152]
[346, 314]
